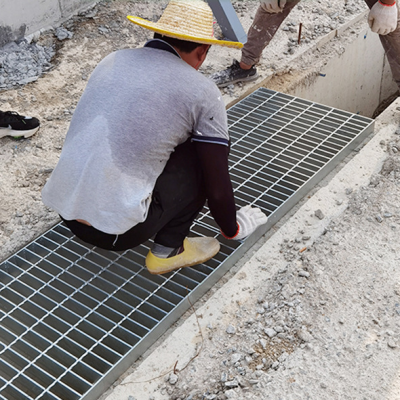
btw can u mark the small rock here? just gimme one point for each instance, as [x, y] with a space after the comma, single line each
[304, 335]
[260, 299]
[231, 394]
[232, 384]
[235, 358]
[283, 357]
[224, 377]
[270, 332]
[319, 214]
[260, 310]
[251, 351]
[304, 274]
[173, 378]
[62, 34]
[231, 330]
[263, 343]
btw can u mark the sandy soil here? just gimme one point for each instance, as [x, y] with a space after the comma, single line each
[322, 326]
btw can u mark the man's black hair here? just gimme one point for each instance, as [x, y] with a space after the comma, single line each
[182, 45]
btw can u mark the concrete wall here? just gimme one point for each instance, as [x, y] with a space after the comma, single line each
[358, 80]
[19, 18]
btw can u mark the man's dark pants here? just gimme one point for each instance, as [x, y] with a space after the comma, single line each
[177, 199]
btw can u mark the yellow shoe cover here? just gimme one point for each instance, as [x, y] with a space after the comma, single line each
[196, 251]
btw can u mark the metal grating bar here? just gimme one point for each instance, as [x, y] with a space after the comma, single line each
[74, 317]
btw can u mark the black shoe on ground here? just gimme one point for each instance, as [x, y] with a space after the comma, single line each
[17, 126]
[234, 74]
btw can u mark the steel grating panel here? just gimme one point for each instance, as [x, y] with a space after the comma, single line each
[74, 317]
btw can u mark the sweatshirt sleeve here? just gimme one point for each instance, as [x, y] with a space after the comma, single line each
[214, 162]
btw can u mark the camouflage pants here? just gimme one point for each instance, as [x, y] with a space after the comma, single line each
[266, 24]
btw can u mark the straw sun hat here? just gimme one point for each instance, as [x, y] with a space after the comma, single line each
[190, 20]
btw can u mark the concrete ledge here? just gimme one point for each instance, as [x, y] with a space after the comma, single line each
[21, 18]
[337, 70]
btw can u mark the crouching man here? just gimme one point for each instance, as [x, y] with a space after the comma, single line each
[148, 145]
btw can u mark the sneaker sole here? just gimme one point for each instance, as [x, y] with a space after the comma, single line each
[17, 134]
[247, 79]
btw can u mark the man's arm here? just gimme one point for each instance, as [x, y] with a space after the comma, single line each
[382, 18]
[234, 224]
[273, 6]
[214, 163]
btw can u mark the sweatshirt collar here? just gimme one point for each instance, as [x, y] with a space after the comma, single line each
[161, 45]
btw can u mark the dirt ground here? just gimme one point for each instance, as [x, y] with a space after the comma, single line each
[324, 325]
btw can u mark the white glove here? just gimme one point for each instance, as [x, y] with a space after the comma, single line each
[382, 18]
[273, 6]
[249, 219]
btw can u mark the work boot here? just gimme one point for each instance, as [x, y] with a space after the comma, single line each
[17, 126]
[196, 250]
[234, 74]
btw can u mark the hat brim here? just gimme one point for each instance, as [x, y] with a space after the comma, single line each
[154, 26]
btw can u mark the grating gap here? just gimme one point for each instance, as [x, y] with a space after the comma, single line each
[73, 317]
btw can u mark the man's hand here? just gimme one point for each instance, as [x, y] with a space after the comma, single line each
[382, 18]
[249, 219]
[273, 6]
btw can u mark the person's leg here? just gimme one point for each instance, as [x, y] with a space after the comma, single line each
[261, 31]
[391, 45]
[259, 35]
[177, 199]
[181, 193]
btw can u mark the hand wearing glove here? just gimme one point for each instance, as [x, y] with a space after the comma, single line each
[273, 6]
[382, 18]
[248, 220]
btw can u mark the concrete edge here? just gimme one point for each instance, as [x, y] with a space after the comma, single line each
[265, 78]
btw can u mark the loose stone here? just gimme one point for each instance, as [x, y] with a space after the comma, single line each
[270, 332]
[231, 330]
[319, 214]
[304, 274]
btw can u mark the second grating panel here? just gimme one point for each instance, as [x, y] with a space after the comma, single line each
[73, 317]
